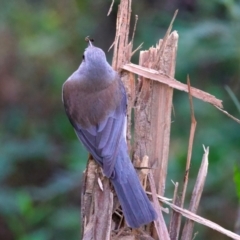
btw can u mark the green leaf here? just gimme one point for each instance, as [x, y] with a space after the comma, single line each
[237, 180]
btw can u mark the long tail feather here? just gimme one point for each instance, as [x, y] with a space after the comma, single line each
[135, 204]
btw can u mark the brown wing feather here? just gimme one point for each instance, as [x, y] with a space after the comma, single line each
[89, 108]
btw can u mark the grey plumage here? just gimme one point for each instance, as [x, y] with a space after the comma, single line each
[95, 102]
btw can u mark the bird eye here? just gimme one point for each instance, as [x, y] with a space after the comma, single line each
[83, 57]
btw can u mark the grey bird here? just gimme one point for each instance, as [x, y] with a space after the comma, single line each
[95, 103]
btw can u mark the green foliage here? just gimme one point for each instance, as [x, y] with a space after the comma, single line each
[41, 160]
[237, 180]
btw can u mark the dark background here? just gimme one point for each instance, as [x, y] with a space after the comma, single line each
[41, 160]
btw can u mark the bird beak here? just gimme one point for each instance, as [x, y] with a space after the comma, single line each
[90, 41]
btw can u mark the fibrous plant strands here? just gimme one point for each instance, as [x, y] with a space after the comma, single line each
[87, 196]
[122, 54]
[103, 210]
[98, 204]
[110, 9]
[122, 50]
[152, 110]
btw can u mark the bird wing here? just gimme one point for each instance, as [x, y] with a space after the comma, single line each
[102, 140]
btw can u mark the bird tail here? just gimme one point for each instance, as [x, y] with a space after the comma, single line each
[137, 208]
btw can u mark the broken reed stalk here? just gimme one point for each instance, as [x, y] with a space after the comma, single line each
[103, 210]
[175, 216]
[190, 145]
[196, 195]
[172, 82]
[153, 111]
[96, 204]
[121, 55]
[159, 224]
[189, 155]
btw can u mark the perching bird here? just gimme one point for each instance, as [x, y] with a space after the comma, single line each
[95, 102]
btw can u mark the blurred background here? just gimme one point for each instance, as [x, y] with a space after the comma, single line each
[41, 160]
